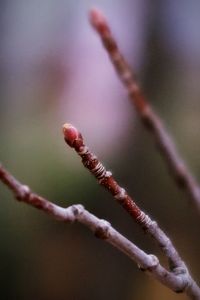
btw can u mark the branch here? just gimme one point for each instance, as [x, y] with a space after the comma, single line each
[178, 282]
[105, 178]
[150, 119]
[75, 140]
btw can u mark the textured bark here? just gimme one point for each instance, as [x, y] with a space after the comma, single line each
[179, 280]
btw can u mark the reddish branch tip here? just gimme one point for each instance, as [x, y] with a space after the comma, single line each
[98, 20]
[71, 134]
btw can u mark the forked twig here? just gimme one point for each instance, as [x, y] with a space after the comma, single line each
[105, 178]
[178, 282]
[150, 119]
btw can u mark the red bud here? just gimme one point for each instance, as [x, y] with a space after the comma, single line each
[71, 134]
[98, 20]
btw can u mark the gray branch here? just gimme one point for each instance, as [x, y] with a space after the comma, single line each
[179, 280]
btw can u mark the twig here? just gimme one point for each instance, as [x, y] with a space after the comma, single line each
[150, 119]
[178, 282]
[105, 178]
[75, 140]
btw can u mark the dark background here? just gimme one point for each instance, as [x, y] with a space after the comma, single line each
[53, 70]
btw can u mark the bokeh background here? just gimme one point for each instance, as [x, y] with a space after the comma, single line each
[53, 69]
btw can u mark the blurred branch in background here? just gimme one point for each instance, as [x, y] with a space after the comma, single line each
[150, 119]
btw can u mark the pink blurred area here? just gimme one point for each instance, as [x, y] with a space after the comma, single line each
[51, 54]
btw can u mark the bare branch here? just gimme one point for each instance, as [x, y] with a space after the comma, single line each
[177, 278]
[178, 282]
[105, 178]
[75, 140]
[150, 119]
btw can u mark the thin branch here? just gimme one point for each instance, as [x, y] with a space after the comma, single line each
[178, 282]
[150, 119]
[105, 178]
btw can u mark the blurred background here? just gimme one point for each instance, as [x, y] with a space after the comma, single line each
[53, 70]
